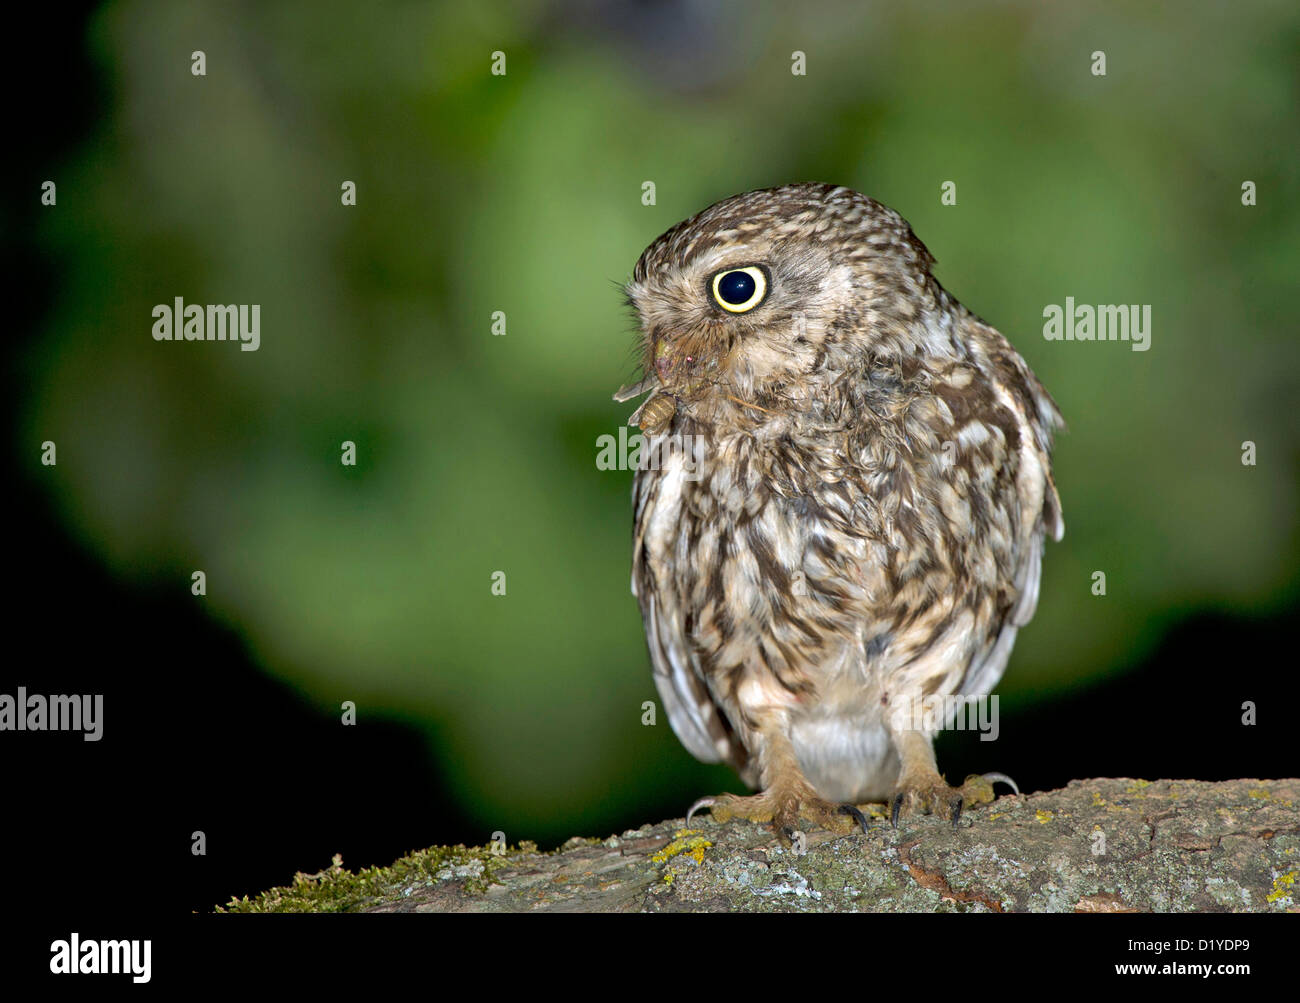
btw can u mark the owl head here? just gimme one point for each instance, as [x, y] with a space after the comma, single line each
[764, 294]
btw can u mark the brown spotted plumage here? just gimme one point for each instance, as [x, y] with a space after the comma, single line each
[845, 510]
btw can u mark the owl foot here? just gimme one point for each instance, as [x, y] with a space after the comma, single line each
[931, 794]
[782, 810]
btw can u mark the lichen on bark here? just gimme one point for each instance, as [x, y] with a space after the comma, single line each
[1106, 845]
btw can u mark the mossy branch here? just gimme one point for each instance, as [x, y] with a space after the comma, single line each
[1108, 845]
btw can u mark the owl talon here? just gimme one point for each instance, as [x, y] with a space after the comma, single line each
[782, 809]
[994, 778]
[854, 813]
[978, 787]
[932, 796]
[705, 802]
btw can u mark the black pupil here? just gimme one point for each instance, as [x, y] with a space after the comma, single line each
[736, 287]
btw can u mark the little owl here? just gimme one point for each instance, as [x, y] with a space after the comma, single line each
[840, 510]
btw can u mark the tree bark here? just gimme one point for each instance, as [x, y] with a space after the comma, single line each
[1107, 845]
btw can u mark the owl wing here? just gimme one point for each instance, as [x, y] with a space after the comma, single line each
[694, 715]
[1018, 389]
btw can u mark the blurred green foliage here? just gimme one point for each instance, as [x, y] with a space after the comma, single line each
[522, 193]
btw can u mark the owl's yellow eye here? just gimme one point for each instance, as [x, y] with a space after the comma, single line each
[739, 290]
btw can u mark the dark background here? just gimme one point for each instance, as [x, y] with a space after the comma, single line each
[522, 713]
